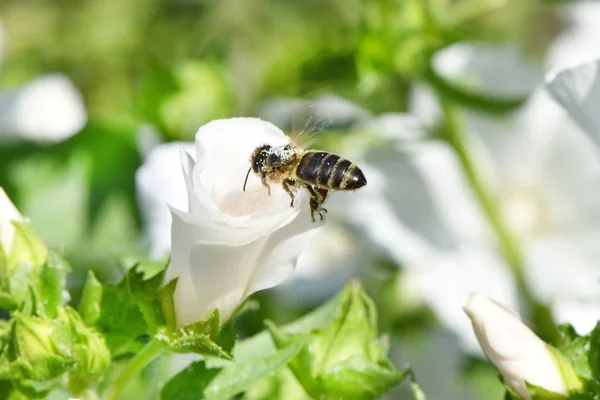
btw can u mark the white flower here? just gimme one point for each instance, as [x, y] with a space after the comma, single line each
[577, 89]
[298, 114]
[159, 181]
[513, 348]
[544, 176]
[8, 213]
[46, 110]
[230, 243]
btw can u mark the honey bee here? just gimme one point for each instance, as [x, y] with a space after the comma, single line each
[317, 171]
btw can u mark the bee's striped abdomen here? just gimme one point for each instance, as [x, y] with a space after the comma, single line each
[310, 165]
[329, 171]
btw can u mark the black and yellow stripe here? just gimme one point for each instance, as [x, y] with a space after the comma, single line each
[326, 170]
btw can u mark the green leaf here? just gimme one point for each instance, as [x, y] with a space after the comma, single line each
[281, 386]
[121, 320]
[261, 344]
[594, 352]
[190, 383]
[346, 359]
[165, 296]
[91, 300]
[200, 382]
[144, 281]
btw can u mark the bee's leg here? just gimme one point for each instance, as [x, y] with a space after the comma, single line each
[266, 184]
[289, 186]
[263, 180]
[317, 198]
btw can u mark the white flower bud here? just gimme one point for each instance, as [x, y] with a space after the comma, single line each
[230, 243]
[513, 348]
[8, 213]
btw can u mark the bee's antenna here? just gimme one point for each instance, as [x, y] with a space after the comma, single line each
[247, 175]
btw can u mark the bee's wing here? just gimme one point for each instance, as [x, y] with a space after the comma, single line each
[306, 124]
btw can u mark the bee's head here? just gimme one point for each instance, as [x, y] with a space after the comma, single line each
[267, 156]
[260, 157]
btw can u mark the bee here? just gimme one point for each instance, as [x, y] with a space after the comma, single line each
[317, 171]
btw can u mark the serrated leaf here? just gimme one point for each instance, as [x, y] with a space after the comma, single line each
[144, 288]
[199, 382]
[91, 300]
[165, 296]
[121, 320]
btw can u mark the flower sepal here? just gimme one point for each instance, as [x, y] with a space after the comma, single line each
[202, 337]
[346, 359]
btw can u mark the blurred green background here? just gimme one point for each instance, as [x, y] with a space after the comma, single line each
[174, 65]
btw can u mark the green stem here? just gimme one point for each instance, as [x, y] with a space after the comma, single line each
[141, 359]
[540, 314]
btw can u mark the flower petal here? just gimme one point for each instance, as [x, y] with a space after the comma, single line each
[281, 251]
[159, 182]
[417, 200]
[8, 213]
[577, 89]
[573, 45]
[219, 274]
[491, 69]
[445, 278]
[563, 268]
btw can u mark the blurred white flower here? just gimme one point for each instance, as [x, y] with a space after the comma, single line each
[8, 213]
[420, 209]
[46, 110]
[326, 111]
[514, 349]
[230, 243]
[159, 181]
[577, 89]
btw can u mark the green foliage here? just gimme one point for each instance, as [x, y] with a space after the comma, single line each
[345, 359]
[221, 383]
[91, 300]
